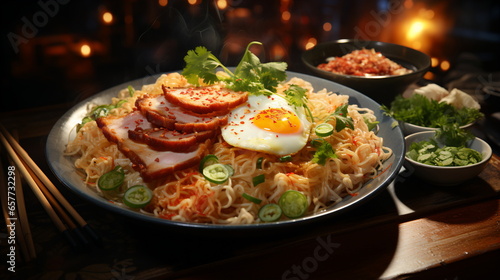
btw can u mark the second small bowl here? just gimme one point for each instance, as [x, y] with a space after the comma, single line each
[447, 175]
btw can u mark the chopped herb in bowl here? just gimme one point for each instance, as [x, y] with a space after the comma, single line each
[453, 151]
[446, 157]
[422, 111]
[429, 152]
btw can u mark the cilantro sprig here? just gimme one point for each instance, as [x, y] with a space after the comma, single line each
[324, 151]
[250, 74]
[296, 96]
[453, 135]
[342, 118]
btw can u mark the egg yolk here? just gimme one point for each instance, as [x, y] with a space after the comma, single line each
[277, 120]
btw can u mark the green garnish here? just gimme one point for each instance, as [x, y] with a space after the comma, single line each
[230, 169]
[217, 173]
[428, 152]
[120, 103]
[452, 135]
[111, 180]
[286, 158]
[214, 171]
[296, 96]
[131, 91]
[342, 118]
[258, 179]
[293, 204]
[324, 151]
[251, 198]
[324, 130]
[371, 125]
[270, 212]
[250, 75]
[454, 151]
[100, 111]
[207, 160]
[137, 196]
[258, 165]
[422, 111]
[84, 121]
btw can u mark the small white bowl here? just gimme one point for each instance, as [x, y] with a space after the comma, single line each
[447, 175]
[409, 128]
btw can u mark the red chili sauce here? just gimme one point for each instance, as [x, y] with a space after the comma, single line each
[364, 62]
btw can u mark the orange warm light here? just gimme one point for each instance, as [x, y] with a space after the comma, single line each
[278, 52]
[311, 43]
[445, 65]
[416, 29]
[408, 4]
[285, 16]
[163, 3]
[327, 26]
[434, 62]
[222, 4]
[429, 76]
[85, 50]
[419, 26]
[107, 17]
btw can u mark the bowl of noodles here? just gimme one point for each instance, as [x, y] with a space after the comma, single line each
[366, 160]
[377, 69]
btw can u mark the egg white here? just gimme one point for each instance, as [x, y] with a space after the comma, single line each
[241, 132]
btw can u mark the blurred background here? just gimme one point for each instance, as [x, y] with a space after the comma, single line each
[63, 51]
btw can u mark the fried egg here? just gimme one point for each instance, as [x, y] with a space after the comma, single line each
[267, 124]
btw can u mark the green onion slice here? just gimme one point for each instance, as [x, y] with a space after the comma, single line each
[112, 179]
[259, 163]
[251, 198]
[324, 130]
[230, 169]
[293, 204]
[208, 160]
[131, 91]
[120, 103]
[270, 212]
[217, 173]
[137, 196]
[258, 179]
[101, 111]
[286, 158]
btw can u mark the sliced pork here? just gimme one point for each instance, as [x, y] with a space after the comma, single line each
[205, 100]
[152, 164]
[162, 113]
[161, 139]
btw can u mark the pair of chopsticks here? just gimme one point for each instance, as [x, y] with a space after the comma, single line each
[64, 216]
[15, 221]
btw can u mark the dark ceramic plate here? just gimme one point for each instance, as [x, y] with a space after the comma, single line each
[63, 167]
[382, 89]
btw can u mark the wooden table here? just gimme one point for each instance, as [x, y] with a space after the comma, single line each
[411, 231]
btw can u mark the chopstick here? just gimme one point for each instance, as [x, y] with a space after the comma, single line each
[15, 222]
[46, 191]
[22, 228]
[36, 190]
